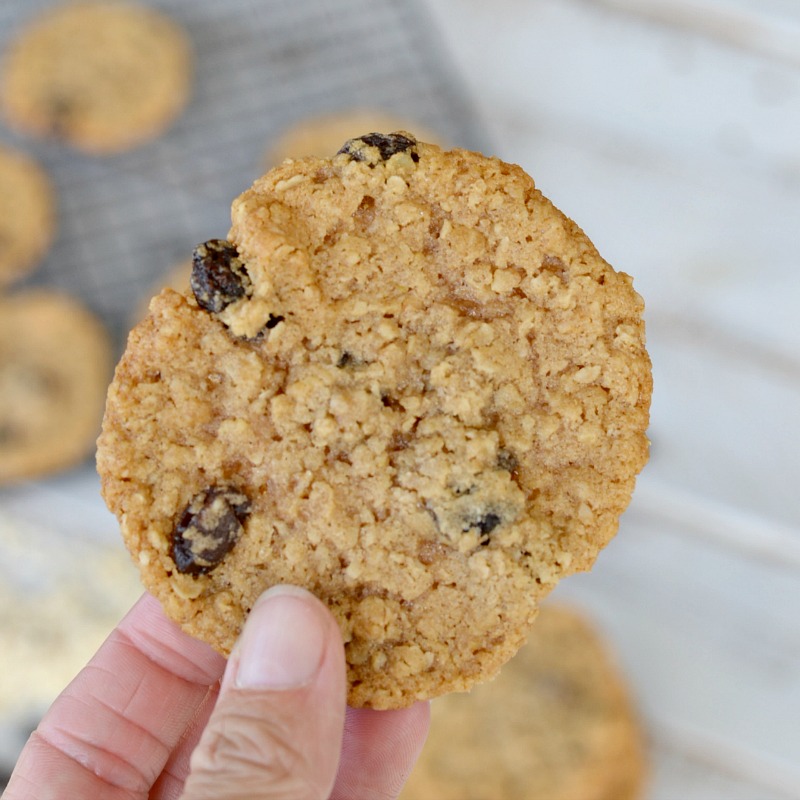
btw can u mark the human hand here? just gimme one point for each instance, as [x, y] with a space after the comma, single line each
[157, 715]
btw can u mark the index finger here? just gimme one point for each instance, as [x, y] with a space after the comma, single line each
[112, 730]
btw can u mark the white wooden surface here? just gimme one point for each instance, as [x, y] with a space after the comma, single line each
[670, 130]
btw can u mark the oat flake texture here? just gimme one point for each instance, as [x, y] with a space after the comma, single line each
[427, 405]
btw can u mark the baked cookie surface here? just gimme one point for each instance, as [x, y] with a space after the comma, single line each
[558, 723]
[101, 76]
[55, 365]
[27, 214]
[406, 382]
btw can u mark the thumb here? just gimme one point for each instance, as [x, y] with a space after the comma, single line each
[276, 731]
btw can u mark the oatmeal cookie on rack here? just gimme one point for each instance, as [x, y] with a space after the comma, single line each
[100, 75]
[404, 381]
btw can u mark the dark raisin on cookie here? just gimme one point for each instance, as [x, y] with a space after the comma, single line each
[219, 277]
[209, 528]
[387, 144]
[272, 322]
[485, 524]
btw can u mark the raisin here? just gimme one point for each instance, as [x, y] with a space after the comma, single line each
[387, 144]
[219, 277]
[272, 322]
[208, 529]
[485, 524]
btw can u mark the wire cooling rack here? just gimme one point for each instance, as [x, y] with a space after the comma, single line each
[260, 65]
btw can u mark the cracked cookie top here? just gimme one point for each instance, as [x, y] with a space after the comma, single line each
[406, 382]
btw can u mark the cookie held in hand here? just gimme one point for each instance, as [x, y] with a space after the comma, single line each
[406, 382]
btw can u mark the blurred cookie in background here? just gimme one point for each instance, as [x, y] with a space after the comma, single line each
[27, 214]
[100, 76]
[323, 135]
[55, 366]
[557, 724]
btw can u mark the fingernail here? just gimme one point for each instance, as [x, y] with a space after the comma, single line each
[283, 641]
